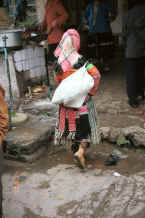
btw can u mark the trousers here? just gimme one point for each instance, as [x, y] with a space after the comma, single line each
[135, 79]
[96, 45]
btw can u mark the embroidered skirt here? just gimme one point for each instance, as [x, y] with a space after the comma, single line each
[76, 125]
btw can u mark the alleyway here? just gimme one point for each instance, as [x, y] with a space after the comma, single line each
[54, 187]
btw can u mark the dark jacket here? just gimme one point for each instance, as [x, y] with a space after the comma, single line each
[134, 48]
[102, 23]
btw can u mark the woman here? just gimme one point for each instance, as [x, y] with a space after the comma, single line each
[55, 16]
[77, 126]
[99, 15]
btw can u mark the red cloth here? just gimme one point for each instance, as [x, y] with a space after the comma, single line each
[54, 13]
[70, 114]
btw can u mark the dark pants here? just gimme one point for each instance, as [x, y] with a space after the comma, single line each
[83, 130]
[135, 80]
[50, 61]
[100, 45]
[51, 49]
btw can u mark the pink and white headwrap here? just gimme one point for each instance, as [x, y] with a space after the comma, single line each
[67, 50]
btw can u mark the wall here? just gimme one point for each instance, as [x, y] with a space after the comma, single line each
[25, 65]
[30, 59]
[4, 77]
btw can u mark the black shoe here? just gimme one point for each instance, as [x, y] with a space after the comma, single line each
[112, 160]
[74, 147]
[141, 98]
[132, 141]
[133, 103]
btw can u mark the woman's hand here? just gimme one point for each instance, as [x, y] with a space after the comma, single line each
[86, 99]
[54, 23]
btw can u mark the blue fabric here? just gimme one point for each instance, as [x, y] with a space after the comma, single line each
[6, 5]
[19, 6]
[102, 24]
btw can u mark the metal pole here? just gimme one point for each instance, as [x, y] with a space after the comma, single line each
[10, 109]
[46, 65]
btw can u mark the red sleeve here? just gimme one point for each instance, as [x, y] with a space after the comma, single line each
[94, 72]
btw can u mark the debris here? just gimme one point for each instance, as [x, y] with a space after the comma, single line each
[122, 140]
[132, 140]
[16, 188]
[17, 172]
[69, 212]
[112, 160]
[116, 174]
[120, 154]
[16, 182]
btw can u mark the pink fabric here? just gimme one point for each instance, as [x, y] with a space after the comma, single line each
[83, 109]
[68, 62]
[71, 119]
[62, 115]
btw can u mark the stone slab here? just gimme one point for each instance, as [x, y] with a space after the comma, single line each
[29, 137]
[28, 158]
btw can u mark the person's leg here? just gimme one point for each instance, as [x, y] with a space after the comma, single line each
[105, 49]
[141, 77]
[131, 81]
[91, 47]
[83, 131]
[79, 155]
[51, 59]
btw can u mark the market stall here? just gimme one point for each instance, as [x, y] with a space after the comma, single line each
[23, 56]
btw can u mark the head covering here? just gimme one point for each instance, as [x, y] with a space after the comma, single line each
[67, 50]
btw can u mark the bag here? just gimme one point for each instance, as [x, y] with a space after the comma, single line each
[139, 28]
[73, 90]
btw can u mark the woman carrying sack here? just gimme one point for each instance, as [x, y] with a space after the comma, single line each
[76, 127]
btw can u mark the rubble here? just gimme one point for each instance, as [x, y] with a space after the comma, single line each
[113, 134]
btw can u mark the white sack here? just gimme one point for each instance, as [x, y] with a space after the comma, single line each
[73, 90]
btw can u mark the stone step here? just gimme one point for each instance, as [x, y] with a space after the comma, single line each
[24, 141]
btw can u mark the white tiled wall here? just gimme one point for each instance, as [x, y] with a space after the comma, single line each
[4, 77]
[29, 59]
